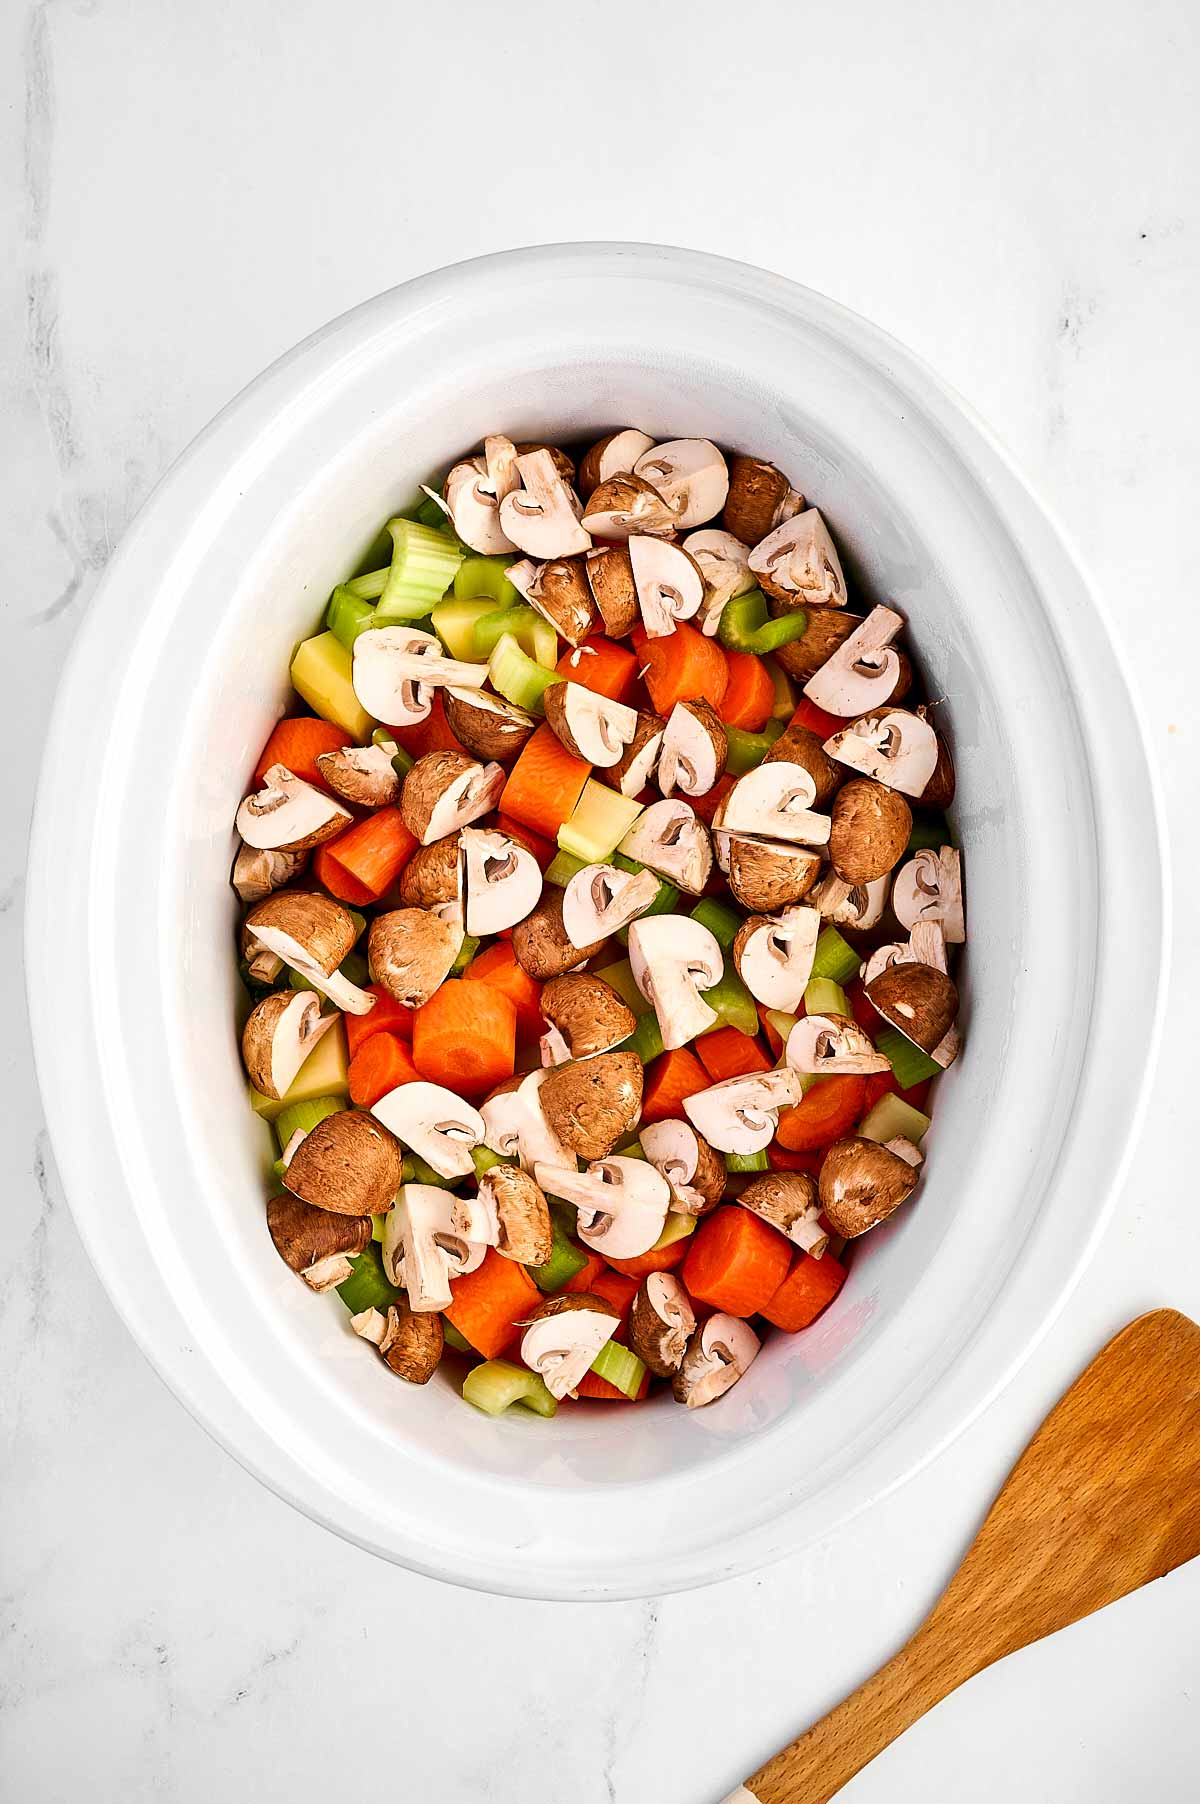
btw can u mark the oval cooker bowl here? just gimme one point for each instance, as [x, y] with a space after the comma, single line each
[179, 671]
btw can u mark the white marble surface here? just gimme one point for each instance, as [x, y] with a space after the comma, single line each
[185, 191]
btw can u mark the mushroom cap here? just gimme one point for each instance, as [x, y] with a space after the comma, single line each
[833, 1046]
[587, 1015]
[561, 593]
[661, 1323]
[691, 475]
[489, 727]
[766, 875]
[725, 566]
[361, 774]
[610, 576]
[626, 504]
[312, 934]
[433, 874]
[671, 839]
[542, 518]
[861, 1183]
[524, 1232]
[279, 1034]
[799, 558]
[540, 943]
[929, 888]
[600, 899]
[421, 1249]
[563, 1338]
[740, 1114]
[444, 791]
[622, 1203]
[436, 1123]
[869, 831]
[694, 1171]
[760, 498]
[410, 952]
[592, 1106]
[590, 726]
[939, 791]
[304, 1236]
[503, 880]
[515, 1124]
[788, 1200]
[774, 801]
[475, 508]
[674, 958]
[669, 583]
[289, 815]
[800, 745]
[774, 956]
[826, 629]
[865, 670]
[857, 905]
[259, 870]
[348, 1164]
[613, 455]
[694, 749]
[412, 1342]
[918, 999]
[719, 1352]
[635, 767]
[892, 745]
[562, 460]
[386, 681]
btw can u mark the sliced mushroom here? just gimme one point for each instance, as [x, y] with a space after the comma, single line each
[760, 499]
[825, 630]
[870, 828]
[523, 1230]
[585, 1016]
[788, 1200]
[486, 725]
[694, 749]
[591, 726]
[599, 900]
[929, 888]
[725, 566]
[503, 881]
[613, 455]
[593, 1105]
[421, 1249]
[918, 999]
[279, 1035]
[740, 1114]
[800, 559]
[800, 745]
[858, 905]
[622, 1203]
[939, 791]
[774, 956]
[515, 1124]
[289, 815]
[541, 518]
[311, 934]
[775, 802]
[692, 477]
[674, 958]
[610, 577]
[314, 1241]
[861, 1184]
[410, 952]
[862, 673]
[719, 1352]
[832, 1046]
[893, 746]
[633, 770]
[348, 1164]
[409, 1343]
[444, 791]
[436, 1124]
[672, 839]
[562, 462]
[764, 874]
[262, 967]
[541, 944]
[694, 1171]
[561, 594]
[258, 871]
[661, 1323]
[627, 504]
[361, 774]
[669, 583]
[563, 1338]
[926, 945]
[433, 874]
[471, 496]
[388, 673]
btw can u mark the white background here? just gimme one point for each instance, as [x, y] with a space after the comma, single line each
[187, 187]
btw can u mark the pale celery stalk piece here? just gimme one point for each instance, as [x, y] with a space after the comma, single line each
[618, 1366]
[321, 676]
[676, 1227]
[302, 1117]
[893, 1118]
[424, 562]
[824, 997]
[598, 823]
[517, 677]
[497, 1384]
[620, 978]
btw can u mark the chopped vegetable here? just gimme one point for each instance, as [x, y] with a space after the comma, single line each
[672, 1077]
[746, 751]
[302, 1116]
[325, 1072]
[745, 626]
[497, 1384]
[424, 562]
[454, 621]
[465, 1037]
[617, 1366]
[497, 965]
[603, 667]
[891, 1118]
[749, 694]
[598, 823]
[809, 1287]
[834, 958]
[368, 1286]
[682, 666]
[566, 1259]
[544, 784]
[736, 1261]
[824, 997]
[487, 1304]
[379, 1065]
[321, 677]
[829, 1110]
[728, 1052]
[387, 1016]
[297, 744]
[723, 922]
[518, 677]
[360, 865]
[910, 1065]
[484, 578]
[348, 615]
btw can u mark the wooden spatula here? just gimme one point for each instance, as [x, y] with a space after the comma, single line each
[1105, 1498]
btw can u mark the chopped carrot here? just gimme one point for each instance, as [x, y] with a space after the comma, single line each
[544, 850]
[465, 1037]
[592, 1385]
[497, 965]
[619, 1290]
[387, 1017]
[750, 693]
[681, 666]
[783, 1160]
[809, 1287]
[544, 784]
[584, 1279]
[658, 1259]
[727, 1053]
[816, 720]
[298, 743]
[379, 1065]
[429, 735]
[488, 1304]
[829, 1110]
[602, 666]
[671, 1077]
[706, 805]
[364, 861]
[736, 1261]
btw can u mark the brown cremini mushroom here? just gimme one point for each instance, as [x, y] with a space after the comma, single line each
[693, 751]
[490, 728]
[892, 745]
[661, 1323]
[774, 801]
[869, 831]
[279, 1034]
[669, 583]
[671, 839]
[626, 504]
[692, 477]
[522, 1216]
[410, 952]
[674, 959]
[289, 815]
[562, 595]
[865, 672]
[312, 934]
[861, 1183]
[317, 1243]
[563, 1337]
[502, 878]
[444, 791]
[363, 775]
[585, 1016]
[433, 874]
[613, 455]
[788, 1200]
[599, 900]
[774, 956]
[589, 726]
[719, 1352]
[694, 1171]
[825, 630]
[348, 1164]
[411, 1343]
[918, 999]
[764, 874]
[760, 498]
[636, 766]
[594, 1105]
[541, 518]
[259, 871]
[800, 745]
[800, 559]
[610, 576]
[541, 944]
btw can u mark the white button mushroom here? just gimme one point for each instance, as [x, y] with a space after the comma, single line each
[929, 888]
[694, 1171]
[740, 1114]
[503, 881]
[590, 726]
[775, 802]
[832, 1046]
[725, 566]
[289, 815]
[421, 1249]
[541, 518]
[622, 1202]
[694, 749]
[474, 489]
[861, 675]
[670, 584]
[563, 1338]
[691, 475]
[672, 839]
[599, 900]
[799, 559]
[614, 455]
[859, 905]
[380, 662]
[774, 957]
[435, 1123]
[895, 747]
[674, 958]
[718, 1354]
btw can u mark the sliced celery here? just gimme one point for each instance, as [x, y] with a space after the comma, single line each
[325, 1072]
[747, 1162]
[909, 1064]
[746, 750]
[517, 677]
[519, 619]
[834, 958]
[424, 562]
[303, 1117]
[723, 922]
[781, 1021]
[892, 1116]
[466, 953]
[566, 1258]
[369, 586]
[428, 512]
[497, 1384]
[620, 978]
[598, 822]
[415, 1171]
[618, 1366]
[785, 692]
[745, 625]
[824, 997]
[733, 1002]
[562, 867]
[377, 1225]
[368, 1286]
[347, 616]
[646, 1039]
[484, 1159]
[676, 1227]
[454, 1339]
[454, 623]
[321, 677]
[929, 831]
[479, 578]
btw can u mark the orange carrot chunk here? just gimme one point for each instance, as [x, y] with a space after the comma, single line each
[487, 1304]
[728, 1053]
[387, 1017]
[364, 861]
[671, 1077]
[736, 1261]
[544, 784]
[592, 1385]
[749, 695]
[829, 1110]
[816, 720]
[298, 743]
[379, 1065]
[465, 1037]
[681, 666]
[587, 1276]
[602, 666]
[658, 1259]
[809, 1287]
[429, 735]
[497, 965]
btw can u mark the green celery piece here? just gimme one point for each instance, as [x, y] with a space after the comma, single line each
[415, 1171]
[377, 1226]
[484, 1159]
[785, 693]
[892, 1116]
[909, 1064]
[723, 922]
[747, 1162]
[517, 619]
[834, 957]
[598, 822]
[347, 616]
[745, 626]
[566, 1258]
[497, 1384]
[824, 997]
[424, 562]
[304, 1116]
[617, 1365]
[562, 867]
[930, 831]
[402, 761]
[466, 953]
[634, 1150]
[733, 1002]
[782, 1022]
[454, 1339]
[484, 579]
[517, 677]
[747, 750]
[620, 977]
[676, 1227]
[368, 587]
[646, 1039]
[368, 1286]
